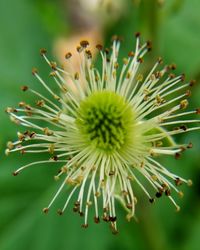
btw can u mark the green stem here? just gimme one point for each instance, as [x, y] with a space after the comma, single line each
[151, 229]
[149, 22]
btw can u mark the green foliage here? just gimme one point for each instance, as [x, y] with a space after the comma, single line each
[22, 225]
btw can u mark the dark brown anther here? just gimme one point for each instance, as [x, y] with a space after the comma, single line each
[105, 218]
[43, 51]
[131, 54]
[53, 65]
[45, 210]
[99, 47]
[107, 60]
[96, 78]
[158, 194]
[40, 103]
[32, 135]
[188, 93]
[167, 67]
[192, 83]
[160, 60]
[27, 133]
[177, 156]
[88, 54]
[15, 173]
[189, 145]
[53, 74]
[116, 65]
[84, 225]
[76, 76]
[161, 190]
[111, 173]
[164, 187]
[76, 206]
[96, 220]
[140, 60]
[34, 72]
[113, 229]
[29, 113]
[116, 38]
[178, 181]
[10, 110]
[79, 49]
[183, 127]
[27, 107]
[75, 209]
[68, 55]
[176, 128]
[124, 193]
[171, 76]
[151, 200]
[21, 104]
[21, 137]
[168, 192]
[19, 146]
[64, 89]
[112, 218]
[84, 44]
[182, 149]
[198, 111]
[129, 205]
[173, 66]
[81, 213]
[114, 232]
[158, 74]
[55, 158]
[77, 203]
[24, 88]
[182, 77]
[105, 209]
[149, 45]
[107, 51]
[137, 34]
[60, 212]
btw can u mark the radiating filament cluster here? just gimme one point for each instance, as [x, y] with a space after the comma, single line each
[105, 128]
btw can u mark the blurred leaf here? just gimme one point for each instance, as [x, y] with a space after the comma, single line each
[53, 15]
[22, 224]
[180, 38]
[193, 238]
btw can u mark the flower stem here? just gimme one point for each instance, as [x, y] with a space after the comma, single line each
[149, 21]
[151, 230]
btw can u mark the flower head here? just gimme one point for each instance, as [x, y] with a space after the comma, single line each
[105, 128]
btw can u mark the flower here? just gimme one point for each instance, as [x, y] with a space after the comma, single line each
[106, 128]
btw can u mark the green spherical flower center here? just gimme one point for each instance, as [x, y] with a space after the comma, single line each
[105, 120]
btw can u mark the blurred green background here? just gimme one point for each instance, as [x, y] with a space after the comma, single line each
[28, 25]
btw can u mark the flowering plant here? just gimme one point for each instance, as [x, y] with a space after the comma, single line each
[106, 128]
